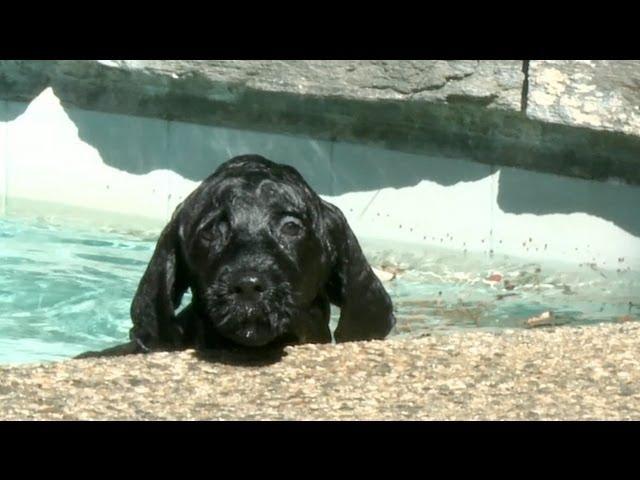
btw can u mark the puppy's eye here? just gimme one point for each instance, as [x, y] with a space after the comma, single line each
[208, 236]
[217, 231]
[291, 227]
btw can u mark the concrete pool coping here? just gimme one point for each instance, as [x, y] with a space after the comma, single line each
[561, 373]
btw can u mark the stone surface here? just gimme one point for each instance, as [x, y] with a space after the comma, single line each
[493, 83]
[598, 94]
[581, 117]
[561, 373]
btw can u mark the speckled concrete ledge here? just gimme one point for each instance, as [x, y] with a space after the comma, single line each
[558, 373]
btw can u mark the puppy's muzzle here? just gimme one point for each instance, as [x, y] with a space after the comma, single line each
[253, 307]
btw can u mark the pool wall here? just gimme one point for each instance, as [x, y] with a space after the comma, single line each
[124, 167]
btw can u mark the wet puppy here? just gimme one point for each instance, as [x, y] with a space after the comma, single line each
[264, 256]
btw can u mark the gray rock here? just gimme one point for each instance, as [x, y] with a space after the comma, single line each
[495, 84]
[601, 95]
[498, 83]
[581, 117]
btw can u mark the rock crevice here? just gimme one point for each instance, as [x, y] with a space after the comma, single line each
[525, 86]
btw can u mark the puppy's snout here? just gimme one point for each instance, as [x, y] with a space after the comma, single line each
[249, 287]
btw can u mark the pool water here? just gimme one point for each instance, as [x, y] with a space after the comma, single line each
[67, 289]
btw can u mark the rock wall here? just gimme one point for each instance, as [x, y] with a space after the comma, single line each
[575, 118]
[134, 171]
[601, 95]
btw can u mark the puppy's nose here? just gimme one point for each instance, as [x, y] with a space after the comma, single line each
[248, 287]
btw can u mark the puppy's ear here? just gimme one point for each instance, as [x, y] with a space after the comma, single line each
[366, 311]
[159, 293]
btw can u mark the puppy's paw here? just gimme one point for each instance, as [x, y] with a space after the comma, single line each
[130, 348]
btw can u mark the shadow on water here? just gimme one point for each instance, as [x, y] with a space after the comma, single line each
[140, 145]
[9, 111]
[522, 191]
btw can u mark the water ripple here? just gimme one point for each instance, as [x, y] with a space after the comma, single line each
[65, 290]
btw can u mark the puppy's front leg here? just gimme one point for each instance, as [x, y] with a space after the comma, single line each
[312, 326]
[129, 348]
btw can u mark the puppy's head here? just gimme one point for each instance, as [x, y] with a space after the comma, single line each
[251, 246]
[257, 247]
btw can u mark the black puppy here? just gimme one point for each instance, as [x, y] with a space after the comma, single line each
[263, 256]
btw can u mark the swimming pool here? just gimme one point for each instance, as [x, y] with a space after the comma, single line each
[67, 288]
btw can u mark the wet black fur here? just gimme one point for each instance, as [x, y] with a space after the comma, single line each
[259, 219]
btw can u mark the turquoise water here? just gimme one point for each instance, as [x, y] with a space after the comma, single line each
[67, 289]
[64, 290]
